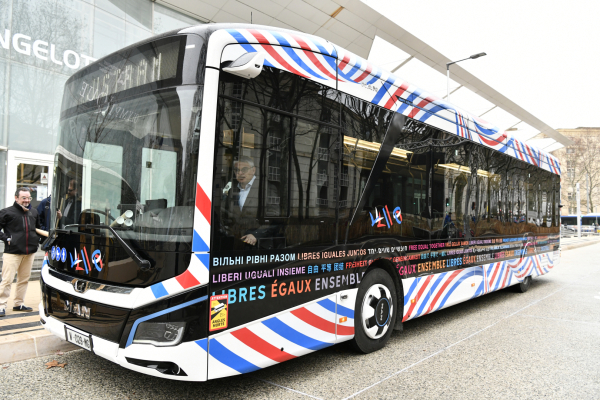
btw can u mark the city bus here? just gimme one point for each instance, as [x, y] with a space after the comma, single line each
[230, 196]
[569, 221]
[589, 222]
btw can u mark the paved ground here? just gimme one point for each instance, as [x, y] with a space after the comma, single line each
[541, 344]
[573, 242]
[20, 322]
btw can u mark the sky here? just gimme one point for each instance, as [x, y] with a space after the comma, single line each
[543, 55]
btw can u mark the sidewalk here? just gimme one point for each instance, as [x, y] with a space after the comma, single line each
[574, 242]
[22, 335]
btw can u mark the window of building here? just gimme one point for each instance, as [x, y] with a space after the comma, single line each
[77, 30]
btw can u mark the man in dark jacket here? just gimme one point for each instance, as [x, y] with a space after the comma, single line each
[43, 210]
[19, 224]
[72, 206]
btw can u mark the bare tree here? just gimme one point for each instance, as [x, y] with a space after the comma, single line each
[580, 162]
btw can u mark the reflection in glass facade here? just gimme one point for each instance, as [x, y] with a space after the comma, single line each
[43, 42]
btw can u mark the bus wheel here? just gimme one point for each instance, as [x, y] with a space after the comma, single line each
[375, 311]
[524, 286]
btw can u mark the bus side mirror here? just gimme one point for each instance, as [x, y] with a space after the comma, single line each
[247, 66]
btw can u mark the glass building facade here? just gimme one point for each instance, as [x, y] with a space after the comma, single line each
[42, 43]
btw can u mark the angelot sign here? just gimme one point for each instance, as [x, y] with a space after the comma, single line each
[43, 50]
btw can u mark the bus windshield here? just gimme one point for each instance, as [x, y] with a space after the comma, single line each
[131, 165]
[568, 220]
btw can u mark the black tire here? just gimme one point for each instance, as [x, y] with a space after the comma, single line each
[373, 333]
[524, 286]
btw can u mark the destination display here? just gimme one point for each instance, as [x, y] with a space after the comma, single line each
[149, 63]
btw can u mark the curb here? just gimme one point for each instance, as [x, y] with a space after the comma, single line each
[578, 245]
[26, 345]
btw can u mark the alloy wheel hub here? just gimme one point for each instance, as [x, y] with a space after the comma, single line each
[377, 310]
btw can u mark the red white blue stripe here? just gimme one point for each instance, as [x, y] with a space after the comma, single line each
[316, 58]
[279, 338]
[427, 294]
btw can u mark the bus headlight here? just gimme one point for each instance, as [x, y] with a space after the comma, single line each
[159, 333]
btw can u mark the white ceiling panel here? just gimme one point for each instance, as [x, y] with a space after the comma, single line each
[524, 131]
[327, 6]
[268, 7]
[502, 119]
[332, 37]
[242, 11]
[342, 29]
[364, 42]
[224, 16]
[386, 55]
[309, 12]
[283, 3]
[199, 9]
[352, 20]
[300, 23]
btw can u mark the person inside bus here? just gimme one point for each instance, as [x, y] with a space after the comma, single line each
[449, 229]
[241, 206]
[448, 219]
[72, 206]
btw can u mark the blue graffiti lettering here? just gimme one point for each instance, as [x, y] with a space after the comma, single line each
[97, 260]
[397, 213]
[376, 219]
[75, 260]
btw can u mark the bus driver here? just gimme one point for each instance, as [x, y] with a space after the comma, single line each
[241, 205]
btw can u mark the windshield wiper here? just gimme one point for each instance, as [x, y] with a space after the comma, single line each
[144, 264]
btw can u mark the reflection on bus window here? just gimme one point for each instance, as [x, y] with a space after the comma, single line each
[123, 165]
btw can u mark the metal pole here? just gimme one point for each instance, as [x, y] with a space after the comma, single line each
[448, 83]
[578, 212]
[474, 56]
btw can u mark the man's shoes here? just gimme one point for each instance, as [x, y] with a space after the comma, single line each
[22, 307]
[2, 313]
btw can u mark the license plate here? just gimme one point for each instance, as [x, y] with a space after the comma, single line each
[79, 339]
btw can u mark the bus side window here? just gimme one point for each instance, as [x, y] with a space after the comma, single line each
[251, 167]
[314, 180]
[363, 128]
[293, 160]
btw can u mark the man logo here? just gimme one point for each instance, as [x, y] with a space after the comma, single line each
[80, 286]
[78, 309]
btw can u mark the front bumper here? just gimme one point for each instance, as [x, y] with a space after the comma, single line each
[191, 357]
[114, 341]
